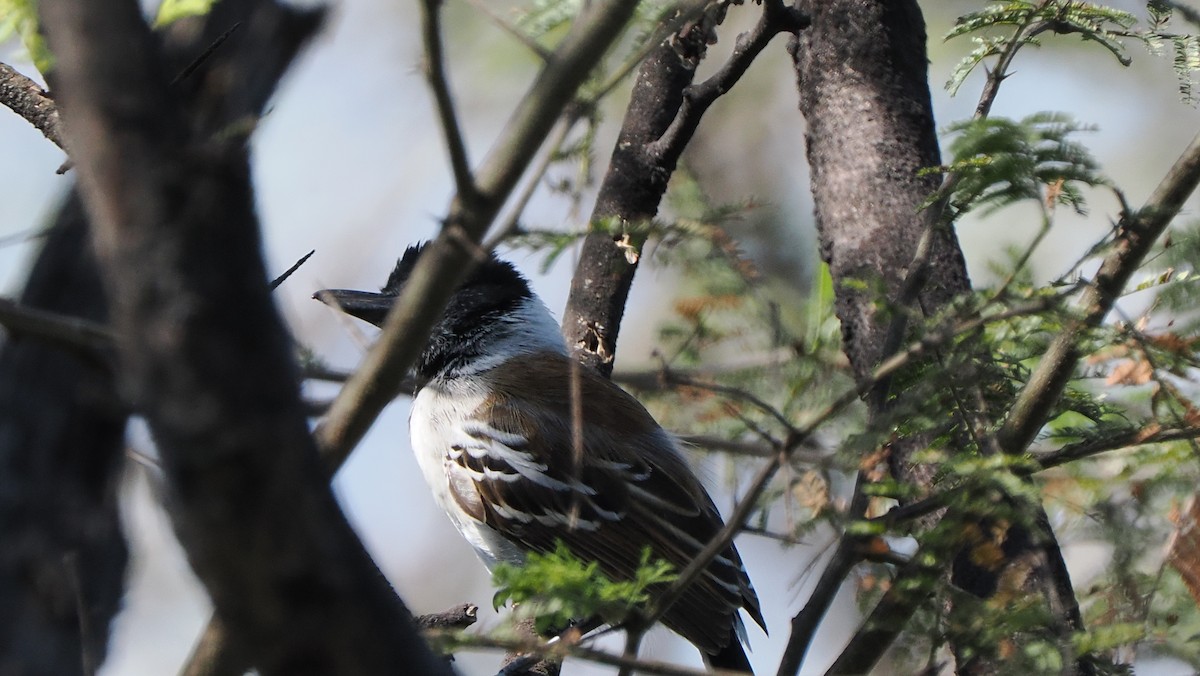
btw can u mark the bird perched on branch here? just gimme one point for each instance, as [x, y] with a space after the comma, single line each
[523, 448]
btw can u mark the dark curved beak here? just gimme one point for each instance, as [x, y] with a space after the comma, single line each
[365, 305]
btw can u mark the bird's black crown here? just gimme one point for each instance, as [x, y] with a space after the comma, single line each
[477, 311]
[481, 309]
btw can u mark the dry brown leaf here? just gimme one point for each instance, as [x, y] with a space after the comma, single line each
[1053, 192]
[1183, 549]
[811, 491]
[1131, 372]
[1147, 432]
[1173, 342]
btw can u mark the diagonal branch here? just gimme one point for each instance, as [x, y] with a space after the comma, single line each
[88, 338]
[435, 72]
[204, 355]
[26, 98]
[776, 18]
[447, 260]
[1136, 233]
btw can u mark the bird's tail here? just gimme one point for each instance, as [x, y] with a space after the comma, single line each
[732, 656]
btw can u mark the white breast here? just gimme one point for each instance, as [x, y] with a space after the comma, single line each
[436, 426]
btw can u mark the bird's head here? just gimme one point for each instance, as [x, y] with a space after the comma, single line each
[493, 310]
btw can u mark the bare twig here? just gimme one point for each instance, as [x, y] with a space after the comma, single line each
[669, 377]
[288, 273]
[511, 223]
[87, 337]
[776, 18]
[932, 340]
[458, 617]
[26, 98]
[435, 74]
[1085, 449]
[560, 649]
[205, 55]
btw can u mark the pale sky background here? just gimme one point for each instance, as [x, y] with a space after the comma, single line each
[349, 162]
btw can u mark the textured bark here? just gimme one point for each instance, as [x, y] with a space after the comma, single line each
[203, 354]
[863, 81]
[663, 114]
[62, 426]
[864, 90]
[630, 193]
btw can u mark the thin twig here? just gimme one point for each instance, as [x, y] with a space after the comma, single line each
[511, 223]
[801, 434]
[776, 18]
[531, 44]
[435, 74]
[560, 649]
[288, 273]
[85, 336]
[669, 377]
[205, 55]
[1147, 434]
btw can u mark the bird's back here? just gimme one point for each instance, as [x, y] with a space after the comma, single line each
[541, 450]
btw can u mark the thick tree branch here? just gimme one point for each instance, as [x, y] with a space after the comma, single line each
[1137, 233]
[448, 259]
[659, 122]
[204, 355]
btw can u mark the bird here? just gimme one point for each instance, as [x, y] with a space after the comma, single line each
[524, 448]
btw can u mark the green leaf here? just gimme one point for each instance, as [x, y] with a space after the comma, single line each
[1001, 161]
[557, 588]
[171, 11]
[19, 18]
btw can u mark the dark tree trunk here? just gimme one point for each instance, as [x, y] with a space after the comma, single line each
[862, 75]
[62, 426]
[164, 172]
[863, 78]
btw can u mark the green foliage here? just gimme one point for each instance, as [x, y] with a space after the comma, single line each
[1007, 25]
[19, 18]
[556, 588]
[171, 11]
[1001, 161]
[1176, 266]
[754, 350]
[542, 18]
[1128, 504]
[1021, 23]
[1185, 49]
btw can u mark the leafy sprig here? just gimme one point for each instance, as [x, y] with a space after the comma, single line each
[1001, 161]
[556, 588]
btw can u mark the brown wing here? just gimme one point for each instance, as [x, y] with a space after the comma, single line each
[628, 489]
